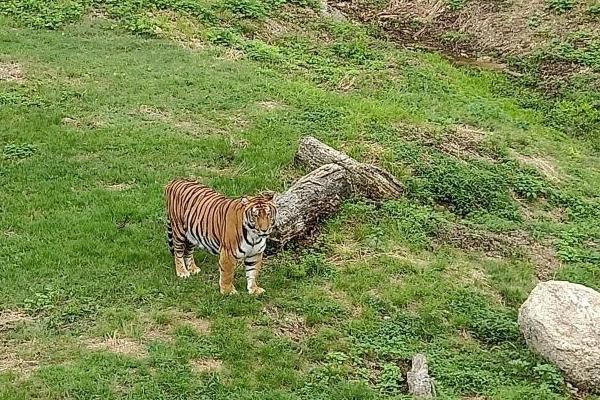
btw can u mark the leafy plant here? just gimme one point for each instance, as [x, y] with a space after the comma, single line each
[18, 151]
[560, 5]
[247, 8]
[463, 188]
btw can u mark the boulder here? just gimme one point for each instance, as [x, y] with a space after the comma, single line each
[561, 322]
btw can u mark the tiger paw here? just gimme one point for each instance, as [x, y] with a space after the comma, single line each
[256, 291]
[183, 274]
[229, 290]
[193, 269]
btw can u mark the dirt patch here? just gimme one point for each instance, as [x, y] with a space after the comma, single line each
[515, 243]
[118, 187]
[173, 319]
[10, 361]
[270, 105]
[201, 326]
[204, 365]
[232, 55]
[342, 298]
[152, 114]
[465, 142]
[93, 123]
[11, 72]
[540, 210]
[287, 324]
[10, 319]
[544, 166]
[117, 345]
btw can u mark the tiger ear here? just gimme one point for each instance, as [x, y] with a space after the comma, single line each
[245, 201]
[268, 195]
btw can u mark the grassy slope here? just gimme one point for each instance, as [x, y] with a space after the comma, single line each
[103, 119]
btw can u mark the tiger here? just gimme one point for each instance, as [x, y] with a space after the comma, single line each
[235, 229]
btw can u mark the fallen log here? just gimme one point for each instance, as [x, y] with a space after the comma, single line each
[303, 206]
[368, 180]
[335, 177]
[420, 384]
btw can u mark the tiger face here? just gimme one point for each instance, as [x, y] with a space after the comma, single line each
[260, 214]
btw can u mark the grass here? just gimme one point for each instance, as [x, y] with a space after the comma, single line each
[102, 118]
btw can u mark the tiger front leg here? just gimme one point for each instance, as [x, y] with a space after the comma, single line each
[252, 266]
[226, 270]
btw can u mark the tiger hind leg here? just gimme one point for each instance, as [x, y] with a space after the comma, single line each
[188, 258]
[179, 247]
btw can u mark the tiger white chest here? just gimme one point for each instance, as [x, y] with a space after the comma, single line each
[251, 245]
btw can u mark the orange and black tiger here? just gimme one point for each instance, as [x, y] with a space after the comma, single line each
[233, 229]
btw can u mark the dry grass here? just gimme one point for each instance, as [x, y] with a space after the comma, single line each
[507, 28]
[205, 365]
[185, 124]
[124, 346]
[287, 324]
[231, 54]
[9, 319]
[508, 244]
[12, 362]
[171, 320]
[464, 142]
[11, 72]
[544, 166]
[270, 105]
[118, 187]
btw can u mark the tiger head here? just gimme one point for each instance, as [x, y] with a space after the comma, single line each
[260, 213]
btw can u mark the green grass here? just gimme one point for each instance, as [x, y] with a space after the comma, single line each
[102, 119]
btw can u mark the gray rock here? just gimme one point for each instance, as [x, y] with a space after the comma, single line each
[561, 322]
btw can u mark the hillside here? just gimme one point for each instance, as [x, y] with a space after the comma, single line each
[103, 102]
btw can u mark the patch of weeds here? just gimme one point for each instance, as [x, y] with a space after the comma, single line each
[415, 224]
[489, 324]
[578, 113]
[456, 5]
[141, 25]
[560, 6]
[391, 379]
[18, 151]
[43, 301]
[224, 37]
[579, 245]
[593, 11]
[308, 264]
[579, 47]
[463, 188]
[356, 50]
[44, 14]
[512, 279]
[253, 9]
[453, 37]
[585, 274]
[15, 98]
[260, 51]
[530, 186]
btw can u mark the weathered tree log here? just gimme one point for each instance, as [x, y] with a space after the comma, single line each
[309, 200]
[420, 384]
[368, 180]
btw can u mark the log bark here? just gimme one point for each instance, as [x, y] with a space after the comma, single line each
[420, 384]
[312, 198]
[368, 180]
